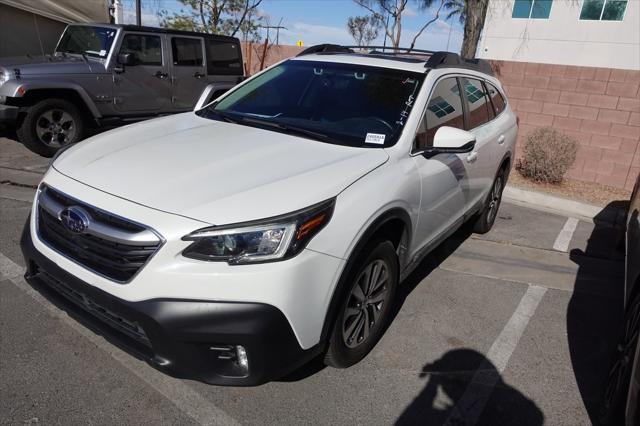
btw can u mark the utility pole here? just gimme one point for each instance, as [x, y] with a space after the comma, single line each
[274, 27]
[139, 13]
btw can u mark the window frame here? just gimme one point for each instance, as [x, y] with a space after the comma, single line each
[604, 5]
[162, 48]
[413, 152]
[533, 2]
[202, 51]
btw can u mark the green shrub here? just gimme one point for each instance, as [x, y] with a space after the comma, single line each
[547, 155]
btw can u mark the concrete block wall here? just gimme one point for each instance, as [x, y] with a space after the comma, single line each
[598, 107]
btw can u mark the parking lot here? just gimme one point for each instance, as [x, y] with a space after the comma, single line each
[513, 327]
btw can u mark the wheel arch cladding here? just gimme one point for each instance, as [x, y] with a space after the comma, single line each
[71, 94]
[393, 225]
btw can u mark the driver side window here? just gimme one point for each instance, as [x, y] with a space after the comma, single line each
[444, 109]
[147, 48]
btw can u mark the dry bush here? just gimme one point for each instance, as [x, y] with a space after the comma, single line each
[547, 155]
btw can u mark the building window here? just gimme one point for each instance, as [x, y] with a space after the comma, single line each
[532, 9]
[603, 10]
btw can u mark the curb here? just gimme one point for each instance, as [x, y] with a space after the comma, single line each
[562, 206]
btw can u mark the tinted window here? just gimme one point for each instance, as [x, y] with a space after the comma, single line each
[496, 98]
[444, 109]
[477, 102]
[534, 9]
[223, 58]
[345, 104]
[147, 48]
[605, 10]
[187, 51]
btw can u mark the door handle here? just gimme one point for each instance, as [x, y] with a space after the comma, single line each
[472, 157]
[160, 74]
[198, 74]
[500, 139]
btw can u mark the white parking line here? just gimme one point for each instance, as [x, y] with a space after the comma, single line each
[565, 235]
[178, 392]
[469, 407]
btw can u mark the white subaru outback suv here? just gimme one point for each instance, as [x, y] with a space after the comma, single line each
[235, 243]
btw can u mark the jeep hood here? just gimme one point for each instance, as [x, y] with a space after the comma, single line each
[37, 65]
[213, 171]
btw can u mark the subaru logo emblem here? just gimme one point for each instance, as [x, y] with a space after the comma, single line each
[75, 219]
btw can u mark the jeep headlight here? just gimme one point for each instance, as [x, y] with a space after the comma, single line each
[272, 239]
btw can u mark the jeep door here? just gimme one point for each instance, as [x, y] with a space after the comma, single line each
[143, 87]
[188, 73]
[444, 177]
[484, 160]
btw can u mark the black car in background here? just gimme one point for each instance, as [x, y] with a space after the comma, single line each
[621, 404]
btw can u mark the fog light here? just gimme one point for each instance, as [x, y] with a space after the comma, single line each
[232, 360]
[241, 357]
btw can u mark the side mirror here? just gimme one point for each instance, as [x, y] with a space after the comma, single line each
[128, 59]
[453, 140]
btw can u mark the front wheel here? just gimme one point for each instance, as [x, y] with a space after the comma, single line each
[487, 216]
[366, 306]
[49, 125]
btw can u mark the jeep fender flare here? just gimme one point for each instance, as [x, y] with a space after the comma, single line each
[27, 87]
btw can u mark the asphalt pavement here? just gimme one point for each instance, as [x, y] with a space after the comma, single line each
[495, 329]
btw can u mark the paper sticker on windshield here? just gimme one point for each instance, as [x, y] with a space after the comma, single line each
[376, 138]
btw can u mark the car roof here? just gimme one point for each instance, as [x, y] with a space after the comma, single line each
[128, 27]
[407, 59]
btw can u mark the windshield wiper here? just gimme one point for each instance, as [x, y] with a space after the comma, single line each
[287, 128]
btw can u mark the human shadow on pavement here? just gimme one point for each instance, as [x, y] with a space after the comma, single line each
[594, 313]
[464, 387]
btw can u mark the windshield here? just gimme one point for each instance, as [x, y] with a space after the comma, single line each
[337, 103]
[90, 41]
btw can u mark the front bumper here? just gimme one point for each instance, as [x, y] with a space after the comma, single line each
[8, 114]
[179, 337]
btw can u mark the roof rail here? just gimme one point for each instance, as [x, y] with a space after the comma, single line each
[435, 59]
[453, 60]
[325, 48]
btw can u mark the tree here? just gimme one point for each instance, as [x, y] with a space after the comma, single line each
[471, 13]
[363, 29]
[389, 14]
[214, 16]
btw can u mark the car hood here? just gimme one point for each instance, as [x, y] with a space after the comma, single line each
[213, 171]
[36, 65]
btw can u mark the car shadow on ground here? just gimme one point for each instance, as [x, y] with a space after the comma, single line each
[594, 314]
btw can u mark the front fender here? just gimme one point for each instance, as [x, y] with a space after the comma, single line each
[20, 88]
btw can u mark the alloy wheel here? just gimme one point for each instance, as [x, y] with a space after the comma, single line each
[368, 297]
[55, 128]
[494, 203]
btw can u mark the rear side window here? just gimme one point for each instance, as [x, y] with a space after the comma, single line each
[496, 98]
[146, 48]
[223, 58]
[477, 102]
[444, 109]
[187, 52]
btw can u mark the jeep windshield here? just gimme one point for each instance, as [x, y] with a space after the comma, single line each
[86, 40]
[344, 104]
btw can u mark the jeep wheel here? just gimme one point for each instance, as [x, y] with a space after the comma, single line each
[366, 306]
[49, 125]
[487, 216]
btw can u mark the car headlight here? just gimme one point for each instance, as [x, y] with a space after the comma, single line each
[272, 239]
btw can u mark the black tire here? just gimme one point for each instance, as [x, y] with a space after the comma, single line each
[486, 218]
[57, 121]
[614, 400]
[343, 352]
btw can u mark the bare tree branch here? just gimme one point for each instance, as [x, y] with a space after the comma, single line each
[424, 27]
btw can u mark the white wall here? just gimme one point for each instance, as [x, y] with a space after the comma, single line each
[563, 38]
